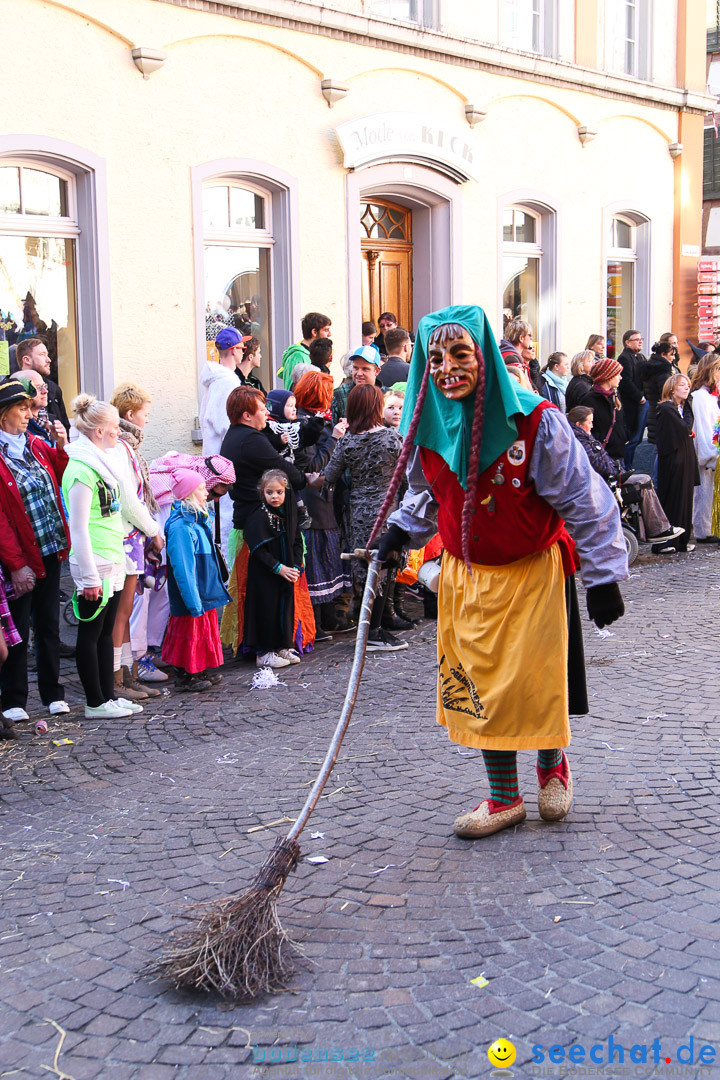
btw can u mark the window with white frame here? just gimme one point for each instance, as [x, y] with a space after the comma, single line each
[529, 25]
[628, 37]
[237, 246]
[425, 12]
[522, 255]
[621, 285]
[39, 232]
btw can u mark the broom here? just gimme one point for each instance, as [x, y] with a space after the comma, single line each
[237, 946]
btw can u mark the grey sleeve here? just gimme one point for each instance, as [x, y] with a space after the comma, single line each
[562, 474]
[417, 513]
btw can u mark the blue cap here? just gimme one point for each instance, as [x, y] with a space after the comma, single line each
[369, 353]
[227, 338]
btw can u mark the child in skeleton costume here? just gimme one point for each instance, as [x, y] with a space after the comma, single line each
[287, 434]
[497, 471]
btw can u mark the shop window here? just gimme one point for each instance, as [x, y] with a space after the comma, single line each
[425, 12]
[238, 243]
[628, 38]
[39, 233]
[529, 25]
[627, 276]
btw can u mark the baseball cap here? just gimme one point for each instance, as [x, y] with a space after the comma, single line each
[369, 353]
[228, 338]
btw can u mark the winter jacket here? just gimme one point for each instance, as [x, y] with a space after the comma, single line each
[705, 410]
[608, 424]
[55, 404]
[599, 458]
[219, 383]
[18, 546]
[293, 355]
[552, 394]
[194, 582]
[630, 390]
[314, 459]
[394, 370]
[657, 371]
[578, 389]
[251, 454]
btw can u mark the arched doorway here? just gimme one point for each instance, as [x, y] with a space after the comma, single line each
[386, 246]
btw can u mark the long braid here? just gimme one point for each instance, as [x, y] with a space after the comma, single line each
[468, 509]
[403, 459]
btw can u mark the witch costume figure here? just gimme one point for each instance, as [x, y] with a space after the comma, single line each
[497, 471]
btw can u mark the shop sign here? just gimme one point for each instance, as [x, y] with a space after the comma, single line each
[395, 136]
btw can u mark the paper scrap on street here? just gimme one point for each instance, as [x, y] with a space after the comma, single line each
[317, 859]
[480, 981]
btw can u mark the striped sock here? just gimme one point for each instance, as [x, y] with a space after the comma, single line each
[549, 759]
[501, 768]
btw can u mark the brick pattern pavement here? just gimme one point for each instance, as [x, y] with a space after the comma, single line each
[606, 924]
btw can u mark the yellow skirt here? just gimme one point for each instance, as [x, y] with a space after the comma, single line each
[502, 653]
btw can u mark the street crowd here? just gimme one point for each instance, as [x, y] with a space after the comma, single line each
[241, 546]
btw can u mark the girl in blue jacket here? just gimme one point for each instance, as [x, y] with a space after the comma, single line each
[195, 588]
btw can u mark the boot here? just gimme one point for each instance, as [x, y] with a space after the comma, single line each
[399, 601]
[133, 681]
[391, 620]
[121, 690]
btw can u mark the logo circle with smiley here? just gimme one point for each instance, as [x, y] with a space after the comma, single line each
[502, 1053]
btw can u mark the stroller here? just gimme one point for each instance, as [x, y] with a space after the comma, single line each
[627, 492]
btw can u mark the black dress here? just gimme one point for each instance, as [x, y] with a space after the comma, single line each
[678, 472]
[273, 538]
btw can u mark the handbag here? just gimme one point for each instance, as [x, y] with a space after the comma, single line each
[222, 565]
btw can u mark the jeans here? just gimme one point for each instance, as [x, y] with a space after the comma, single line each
[42, 605]
[636, 437]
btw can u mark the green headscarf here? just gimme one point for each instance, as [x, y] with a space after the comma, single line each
[445, 425]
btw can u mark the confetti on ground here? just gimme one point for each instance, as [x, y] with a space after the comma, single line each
[317, 859]
[264, 679]
[317, 835]
[480, 981]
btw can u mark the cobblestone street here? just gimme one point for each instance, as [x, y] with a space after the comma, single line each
[604, 925]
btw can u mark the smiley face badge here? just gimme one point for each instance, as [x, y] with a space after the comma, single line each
[501, 1054]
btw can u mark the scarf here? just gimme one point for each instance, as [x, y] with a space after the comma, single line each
[87, 453]
[445, 425]
[13, 446]
[133, 436]
[558, 381]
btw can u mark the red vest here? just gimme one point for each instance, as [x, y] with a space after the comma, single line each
[511, 520]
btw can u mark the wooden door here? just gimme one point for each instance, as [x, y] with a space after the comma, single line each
[387, 262]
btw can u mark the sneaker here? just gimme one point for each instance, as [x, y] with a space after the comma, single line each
[192, 684]
[690, 547]
[15, 714]
[55, 708]
[381, 641]
[666, 549]
[148, 671]
[124, 703]
[290, 655]
[322, 635]
[109, 710]
[669, 534]
[271, 660]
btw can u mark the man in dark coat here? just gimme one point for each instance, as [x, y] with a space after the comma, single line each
[631, 392]
[32, 355]
[397, 366]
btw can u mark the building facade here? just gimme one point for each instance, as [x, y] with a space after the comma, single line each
[173, 164]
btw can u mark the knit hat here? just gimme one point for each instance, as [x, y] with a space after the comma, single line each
[185, 481]
[13, 392]
[605, 369]
[276, 402]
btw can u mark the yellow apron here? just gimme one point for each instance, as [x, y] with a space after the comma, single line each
[502, 653]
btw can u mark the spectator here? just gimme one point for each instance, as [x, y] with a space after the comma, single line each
[40, 423]
[387, 321]
[369, 330]
[631, 392]
[192, 643]
[671, 338]
[704, 389]
[251, 360]
[519, 339]
[365, 367]
[658, 369]
[314, 325]
[609, 423]
[397, 366]
[32, 355]
[555, 379]
[297, 373]
[220, 380]
[596, 344]
[321, 354]
[369, 451]
[392, 410]
[275, 565]
[580, 384]
[678, 473]
[338, 405]
[34, 540]
[97, 560]
[581, 420]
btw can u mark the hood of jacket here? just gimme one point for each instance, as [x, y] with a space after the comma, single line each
[213, 372]
[657, 365]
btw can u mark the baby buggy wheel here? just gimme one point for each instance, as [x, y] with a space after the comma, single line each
[631, 542]
[69, 614]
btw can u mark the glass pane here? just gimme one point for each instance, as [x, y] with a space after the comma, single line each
[520, 25]
[520, 290]
[396, 9]
[622, 234]
[9, 191]
[215, 207]
[246, 209]
[43, 194]
[620, 304]
[524, 228]
[37, 289]
[237, 293]
[508, 225]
